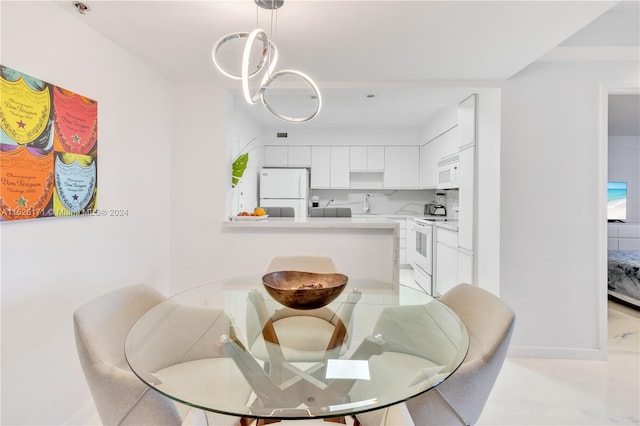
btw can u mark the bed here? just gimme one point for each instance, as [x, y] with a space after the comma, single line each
[624, 275]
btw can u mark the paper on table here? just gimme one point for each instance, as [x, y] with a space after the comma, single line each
[348, 369]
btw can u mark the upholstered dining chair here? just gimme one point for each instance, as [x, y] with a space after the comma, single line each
[280, 211]
[460, 399]
[101, 327]
[305, 337]
[330, 212]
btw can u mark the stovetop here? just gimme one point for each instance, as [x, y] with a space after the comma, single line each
[436, 218]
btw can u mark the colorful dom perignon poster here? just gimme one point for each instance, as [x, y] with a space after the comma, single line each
[48, 149]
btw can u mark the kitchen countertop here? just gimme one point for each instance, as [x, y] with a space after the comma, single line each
[379, 222]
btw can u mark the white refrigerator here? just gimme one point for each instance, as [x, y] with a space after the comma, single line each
[285, 188]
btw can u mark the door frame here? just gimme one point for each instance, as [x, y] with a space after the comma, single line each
[603, 178]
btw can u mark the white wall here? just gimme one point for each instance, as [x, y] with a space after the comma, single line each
[624, 166]
[52, 266]
[553, 227]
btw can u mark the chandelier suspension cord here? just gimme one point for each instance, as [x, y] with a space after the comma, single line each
[271, 37]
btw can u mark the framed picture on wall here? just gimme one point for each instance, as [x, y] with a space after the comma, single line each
[48, 149]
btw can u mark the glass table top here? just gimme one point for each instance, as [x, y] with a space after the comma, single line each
[229, 348]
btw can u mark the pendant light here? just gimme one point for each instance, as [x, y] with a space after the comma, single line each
[265, 66]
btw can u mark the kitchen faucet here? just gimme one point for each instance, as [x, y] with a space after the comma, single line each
[367, 207]
[331, 201]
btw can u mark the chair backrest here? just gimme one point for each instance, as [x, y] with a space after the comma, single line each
[101, 327]
[461, 398]
[280, 211]
[330, 212]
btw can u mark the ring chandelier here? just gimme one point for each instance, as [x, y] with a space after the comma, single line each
[266, 65]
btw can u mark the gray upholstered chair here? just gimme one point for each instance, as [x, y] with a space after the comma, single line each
[280, 211]
[459, 400]
[101, 327]
[330, 212]
[318, 325]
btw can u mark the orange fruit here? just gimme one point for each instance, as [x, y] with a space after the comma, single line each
[259, 211]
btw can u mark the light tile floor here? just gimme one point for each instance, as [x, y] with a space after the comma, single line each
[536, 391]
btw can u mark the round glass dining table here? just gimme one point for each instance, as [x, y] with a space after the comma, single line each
[229, 348]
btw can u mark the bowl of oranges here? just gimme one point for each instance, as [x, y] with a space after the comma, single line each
[257, 214]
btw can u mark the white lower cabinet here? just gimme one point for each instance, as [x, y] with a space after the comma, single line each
[446, 258]
[465, 266]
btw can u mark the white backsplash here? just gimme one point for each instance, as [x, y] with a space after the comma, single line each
[400, 202]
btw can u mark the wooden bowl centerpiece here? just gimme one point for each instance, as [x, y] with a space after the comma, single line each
[304, 290]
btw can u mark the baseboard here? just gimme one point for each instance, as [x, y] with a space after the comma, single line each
[557, 353]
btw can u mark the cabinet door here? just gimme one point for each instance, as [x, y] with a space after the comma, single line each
[449, 144]
[410, 241]
[320, 167]
[465, 267]
[466, 196]
[375, 158]
[339, 175]
[467, 121]
[275, 156]
[446, 268]
[299, 156]
[358, 158]
[429, 157]
[401, 167]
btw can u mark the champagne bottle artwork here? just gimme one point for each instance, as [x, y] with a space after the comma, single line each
[48, 149]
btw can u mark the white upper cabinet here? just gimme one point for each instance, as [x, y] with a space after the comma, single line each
[449, 143]
[366, 158]
[299, 156]
[467, 121]
[375, 158]
[276, 156]
[339, 176]
[330, 167]
[320, 166]
[402, 166]
[358, 158]
[287, 156]
[429, 157]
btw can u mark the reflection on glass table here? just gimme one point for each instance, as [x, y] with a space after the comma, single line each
[215, 347]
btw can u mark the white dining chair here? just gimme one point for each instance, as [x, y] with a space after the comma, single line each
[101, 327]
[459, 400]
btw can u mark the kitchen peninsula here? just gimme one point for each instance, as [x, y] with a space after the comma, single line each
[360, 247]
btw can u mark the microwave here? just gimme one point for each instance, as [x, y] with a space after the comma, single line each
[448, 172]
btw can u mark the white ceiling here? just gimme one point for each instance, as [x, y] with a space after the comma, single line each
[398, 50]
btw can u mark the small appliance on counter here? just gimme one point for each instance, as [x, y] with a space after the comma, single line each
[315, 201]
[433, 209]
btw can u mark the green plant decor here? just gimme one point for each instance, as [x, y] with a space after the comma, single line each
[239, 165]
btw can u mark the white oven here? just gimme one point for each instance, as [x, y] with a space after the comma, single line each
[423, 256]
